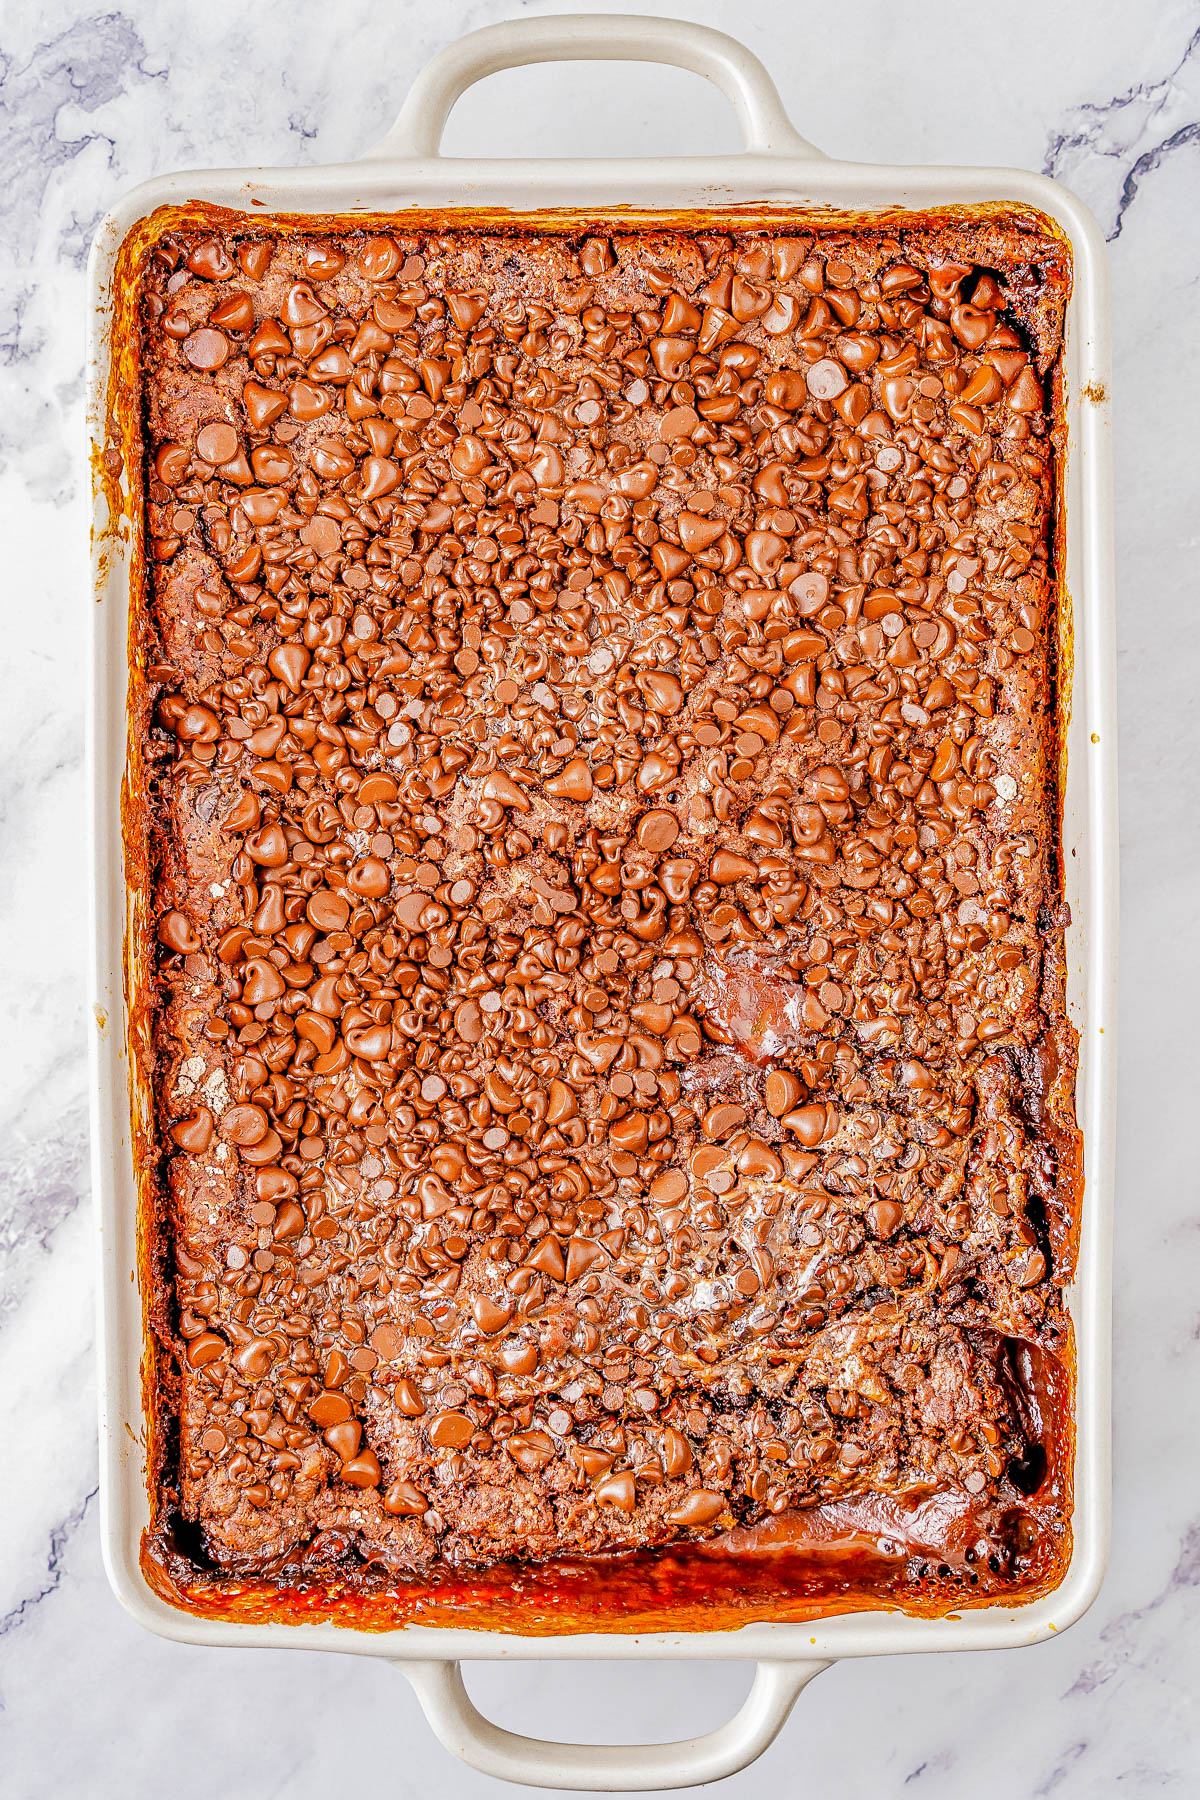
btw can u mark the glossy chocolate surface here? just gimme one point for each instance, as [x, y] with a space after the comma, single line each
[616, 1141]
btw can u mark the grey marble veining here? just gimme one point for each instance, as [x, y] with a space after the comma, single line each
[1105, 98]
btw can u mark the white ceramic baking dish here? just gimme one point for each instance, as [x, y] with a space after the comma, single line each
[777, 168]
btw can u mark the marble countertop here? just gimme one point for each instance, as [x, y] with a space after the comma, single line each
[1105, 97]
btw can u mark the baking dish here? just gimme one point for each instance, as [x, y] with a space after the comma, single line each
[778, 170]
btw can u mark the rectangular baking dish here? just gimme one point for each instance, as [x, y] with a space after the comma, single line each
[778, 169]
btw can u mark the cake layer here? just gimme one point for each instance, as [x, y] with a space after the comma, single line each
[610, 1054]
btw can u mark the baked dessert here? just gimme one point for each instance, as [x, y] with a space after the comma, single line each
[596, 799]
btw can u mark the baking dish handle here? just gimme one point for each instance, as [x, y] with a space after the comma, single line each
[607, 1768]
[579, 37]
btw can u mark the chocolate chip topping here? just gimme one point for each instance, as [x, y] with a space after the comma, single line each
[601, 778]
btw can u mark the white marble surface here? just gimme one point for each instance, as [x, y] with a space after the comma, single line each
[1104, 96]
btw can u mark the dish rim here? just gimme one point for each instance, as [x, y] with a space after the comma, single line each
[755, 181]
